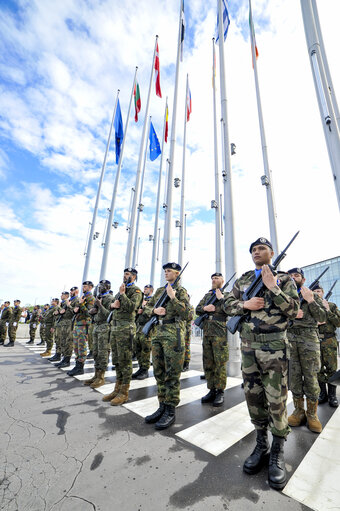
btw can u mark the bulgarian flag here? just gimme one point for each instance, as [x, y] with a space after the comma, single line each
[188, 103]
[157, 75]
[166, 124]
[138, 103]
[252, 35]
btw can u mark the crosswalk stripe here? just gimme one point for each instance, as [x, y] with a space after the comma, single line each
[315, 483]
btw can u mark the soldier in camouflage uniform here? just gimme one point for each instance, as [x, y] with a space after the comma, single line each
[57, 326]
[215, 342]
[65, 326]
[14, 322]
[187, 354]
[122, 334]
[265, 355]
[6, 314]
[42, 324]
[49, 322]
[34, 322]
[305, 355]
[328, 347]
[82, 321]
[101, 332]
[143, 342]
[168, 341]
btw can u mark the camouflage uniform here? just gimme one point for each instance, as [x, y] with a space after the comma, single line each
[12, 329]
[265, 350]
[167, 339]
[215, 343]
[142, 342]
[34, 322]
[187, 354]
[90, 336]
[328, 343]
[5, 318]
[64, 327]
[305, 350]
[123, 331]
[42, 329]
[81, 328]
[49, 321]
[101, 332]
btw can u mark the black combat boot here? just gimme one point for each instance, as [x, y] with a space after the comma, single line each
[41, 343]
[64, 363]
[10, 344]
[259, 456]
[332, 400]
[137, 373]
[56, 357]
[77, 369]
[89, 355]
[30, 341]
[2, 343]
[167, 418]
[323, 393]
[210, 397]
[151, 419]
[219, 398]
[144, 373]
[277, 475]
[185, 366]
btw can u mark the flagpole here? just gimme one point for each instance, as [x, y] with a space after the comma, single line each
[218, 240]
[155, 230]
[267, 178]
[114, 193]
[131, 248]
[168, 210]
[140, 205]
[94, 217]
[181, 220]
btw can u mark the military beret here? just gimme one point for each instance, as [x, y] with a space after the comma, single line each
[65, 292]
[297, 270]
[46, 304]
[260, 241]
[150, 286]
[88, 283]
[217, 274]
[105, 282]
[131, 270]
[55, 300]
[73, 288]
[172, 266]
[318, 287]
[18, 301]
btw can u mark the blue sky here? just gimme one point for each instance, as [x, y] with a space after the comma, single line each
[60, 68]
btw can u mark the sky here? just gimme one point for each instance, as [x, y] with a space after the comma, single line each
[61, 64]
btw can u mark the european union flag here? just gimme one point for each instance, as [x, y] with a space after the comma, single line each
[155, 149]
[118, 124]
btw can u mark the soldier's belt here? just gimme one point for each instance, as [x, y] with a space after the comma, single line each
[299, 331]
[217, 318]
[264, 338]
[166, 321]
[323, 337]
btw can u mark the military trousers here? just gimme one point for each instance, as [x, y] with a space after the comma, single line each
[101, 346]
[329, 360]
[42, 332]
[90, 336]
[33, 330]
[49, 337]
[58, 338]
[80, 340]
[12, 331]
[143, 349]
[265, 374]
[187, 353]
[122, 337]
[215, 357]
[66, 337]
[3, 330]
[167, 357]
[304, 363]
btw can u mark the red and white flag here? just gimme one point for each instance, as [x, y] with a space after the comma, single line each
[188, 103]
[157, 75]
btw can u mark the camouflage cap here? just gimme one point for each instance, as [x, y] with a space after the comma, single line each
[216, 274]
[297, 270]
[131, 270]
[172, 266]
[260, 241]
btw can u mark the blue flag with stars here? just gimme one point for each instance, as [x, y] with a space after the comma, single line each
[119, 133]
[155, 149]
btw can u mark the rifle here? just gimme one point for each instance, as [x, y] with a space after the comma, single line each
[212, 300]
[330, 292]
[257, 288]
[161, 302]
[314, 284]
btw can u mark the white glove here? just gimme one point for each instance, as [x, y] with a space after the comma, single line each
[15, 323]
[34, 325]
[7, 324]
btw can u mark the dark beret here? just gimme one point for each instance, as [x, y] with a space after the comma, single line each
[55, 300]
[318, 287]
[73, 288]
[105, 282]
[261, 241]
[296, 270]
[88, 283]
[65, 292]
[17, 301]
[150, 286]
[131, 270]
[217, 274]
[172, 266]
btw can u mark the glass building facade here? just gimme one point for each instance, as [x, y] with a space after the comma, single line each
[312, 271]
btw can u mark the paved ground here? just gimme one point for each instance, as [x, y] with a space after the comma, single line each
[63, 449]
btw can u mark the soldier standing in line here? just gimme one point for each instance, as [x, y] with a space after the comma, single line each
[49, 322]
[82, 321]
[13, 324]
[42, 324]
[66, 327]
[167, 339]
[305, 355]
[101, 332]
[6, 315]
[215, 342]
[143, 342]
[122, 334]
[57, 327]
[188, 325]
[265, 356]
[328, 348]
[34, 322]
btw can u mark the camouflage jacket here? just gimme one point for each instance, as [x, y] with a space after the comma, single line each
[312, 313]
[43, 316]
[35, 318]
[16, 314]
[328, 328]
[190, 319]
[178, 308]
[213, 326]
[68, 314]
[103, 310]
[6, 314]
[140, 318]
[130, 302]
[281, 304]
[83, 313]
[49, 317]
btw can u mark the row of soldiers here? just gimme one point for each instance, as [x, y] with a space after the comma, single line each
[289, 321]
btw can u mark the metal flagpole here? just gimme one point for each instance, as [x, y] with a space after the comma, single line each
[267, 178]
[168, 210]
[114, 193]
[329, 123]
[181, 220]
[93, 224]
[132, 239]
[155, 231]
[140, 205]
[218, 254]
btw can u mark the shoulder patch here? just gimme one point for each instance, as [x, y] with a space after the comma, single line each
[138, 291]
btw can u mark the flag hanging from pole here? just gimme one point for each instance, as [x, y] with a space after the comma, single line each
[226, 20]
[138, 103]
[182, 30]
[252, 35]
[155, 149]
[157, 75]
[188, 103]
[119, 133]
[166, 131]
